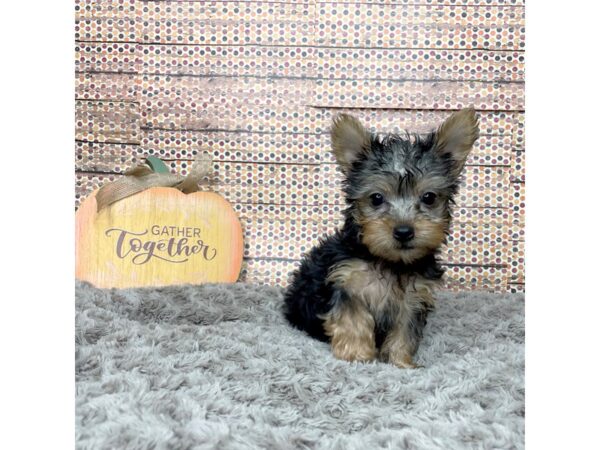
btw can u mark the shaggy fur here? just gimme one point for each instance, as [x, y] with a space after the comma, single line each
[368, 288]
[217, 366]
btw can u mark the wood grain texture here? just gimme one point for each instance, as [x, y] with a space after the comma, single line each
[256, 84]
[158, 237]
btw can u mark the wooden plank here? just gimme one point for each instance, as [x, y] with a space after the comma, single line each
[517, 262]
[420, 26]
[107, 57]
[359, 63]
[475, 278]
[245, 146]
[283, 238]
[265, 271]
[204, 114]
[266, 212]
[230, 61]
[418, 95]
[217, 11]
[378, 25]
[517, 166]
[476, 244]
[298, 187]
[516, 288]
[107, 86]
[517, 209]
[390, 2]
[519, 132]
[499, 3]
[418, 65]
[203, 117]
[182, 102]
[250, 23]
[106, 20]
[263, 134]
[105, 157]
[107, 121]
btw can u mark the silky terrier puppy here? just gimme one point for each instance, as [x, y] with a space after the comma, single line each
[367, 289]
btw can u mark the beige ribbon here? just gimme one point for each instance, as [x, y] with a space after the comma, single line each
[142, 177]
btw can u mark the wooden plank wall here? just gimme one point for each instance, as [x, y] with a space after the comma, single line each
[256, 83]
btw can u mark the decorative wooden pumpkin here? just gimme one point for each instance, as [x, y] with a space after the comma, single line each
[158, 237]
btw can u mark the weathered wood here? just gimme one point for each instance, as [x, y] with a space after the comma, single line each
[107, 121]
[417, 65]
[106, 20]
[418, 95]
[261, 61]
[421, 26]
[256, 83]
[107, 86]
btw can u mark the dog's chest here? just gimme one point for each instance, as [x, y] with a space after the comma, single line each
[383, 292]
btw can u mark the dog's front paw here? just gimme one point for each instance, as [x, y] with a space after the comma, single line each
[400, 359]
[354, 350]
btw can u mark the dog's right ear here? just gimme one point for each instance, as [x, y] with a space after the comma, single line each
[349, 140]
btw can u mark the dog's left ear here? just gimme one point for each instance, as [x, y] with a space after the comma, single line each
[456, 136]
[349, 140]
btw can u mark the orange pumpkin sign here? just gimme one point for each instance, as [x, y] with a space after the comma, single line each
[158, 237]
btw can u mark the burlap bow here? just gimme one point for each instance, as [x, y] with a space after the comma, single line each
[142, 177]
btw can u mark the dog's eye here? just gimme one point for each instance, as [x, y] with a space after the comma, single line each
[376, 199]
[428, 198]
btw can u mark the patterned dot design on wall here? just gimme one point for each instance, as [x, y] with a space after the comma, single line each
[256, 84]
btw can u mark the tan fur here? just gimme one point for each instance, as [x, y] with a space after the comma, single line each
[374, 291]
[398, 349]
[457, 136]
[378, 237]
[348, 140]
[429, 233]
[365, 283]
[352, 332]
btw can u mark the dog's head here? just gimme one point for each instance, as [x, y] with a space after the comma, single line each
[400, 189]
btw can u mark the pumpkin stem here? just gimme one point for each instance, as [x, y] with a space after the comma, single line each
[156, 164]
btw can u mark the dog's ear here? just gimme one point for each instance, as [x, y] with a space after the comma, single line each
[349, 139]
[456, 136]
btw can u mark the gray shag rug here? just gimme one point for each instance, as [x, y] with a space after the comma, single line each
[216, 366]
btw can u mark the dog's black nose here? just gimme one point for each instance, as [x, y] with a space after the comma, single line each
[404, 233]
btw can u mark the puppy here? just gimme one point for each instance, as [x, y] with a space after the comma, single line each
[367, 289]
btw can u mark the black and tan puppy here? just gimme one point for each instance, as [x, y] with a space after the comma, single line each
[367, 289]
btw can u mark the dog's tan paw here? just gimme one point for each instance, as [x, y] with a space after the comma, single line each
[402, 360]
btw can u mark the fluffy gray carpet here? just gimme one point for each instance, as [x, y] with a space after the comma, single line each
[216, 366]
